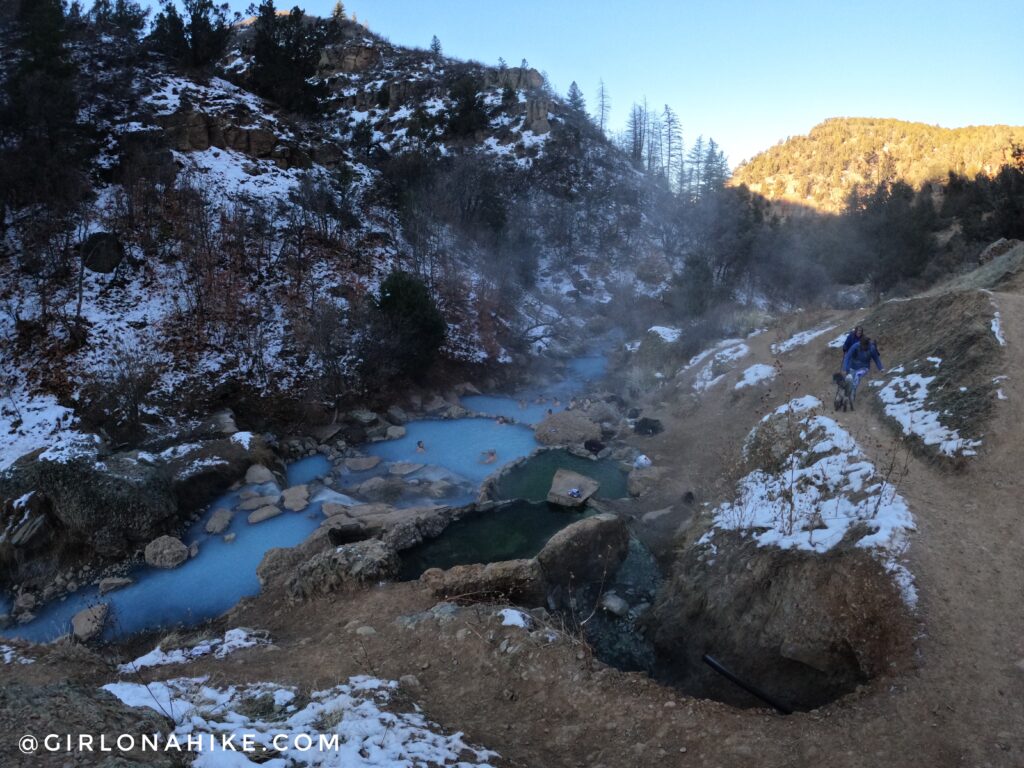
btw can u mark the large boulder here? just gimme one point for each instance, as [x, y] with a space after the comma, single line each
[256, 502]
[515, 581]
[94, 508]
[806, 627]
[264, 513]
[88, 623]
[567, 428]
[102, 252]
[382, 488]
[362, 561]
[571, 489]
[345, 530]
[362, 463]
[85, 708]
[397, 415]
[588, 550]
[166, 552]
[647, 426]
[200, 472]
[25, 523]
[296, 498]
[113, 583]
[363, 416]
[257, 474]
[219, 521]
[643, 480]
[405, 527]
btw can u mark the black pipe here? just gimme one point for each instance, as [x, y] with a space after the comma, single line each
[751, 689]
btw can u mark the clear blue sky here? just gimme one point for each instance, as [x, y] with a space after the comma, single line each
[746, 72]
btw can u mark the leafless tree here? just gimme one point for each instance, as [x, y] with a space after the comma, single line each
[604, 106]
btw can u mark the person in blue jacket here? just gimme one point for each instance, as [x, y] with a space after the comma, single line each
[852, 338]
[858, 360]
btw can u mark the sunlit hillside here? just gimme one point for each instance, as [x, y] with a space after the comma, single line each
[823, 167]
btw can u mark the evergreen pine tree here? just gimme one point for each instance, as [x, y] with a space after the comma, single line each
[195, 39]
[435, 46]
[715, 168]
[168, 34]
[101, 12]
[40, 148]
[468, 114]
[575, 99]
[208, 31]
[122, 18]
[285, 55]
[695, 171]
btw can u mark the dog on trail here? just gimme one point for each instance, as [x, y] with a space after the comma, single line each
[844, 392]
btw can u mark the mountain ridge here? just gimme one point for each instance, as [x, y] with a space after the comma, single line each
[821, 168]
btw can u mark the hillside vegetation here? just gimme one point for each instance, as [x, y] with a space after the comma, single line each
[198, 212]
[842, 154]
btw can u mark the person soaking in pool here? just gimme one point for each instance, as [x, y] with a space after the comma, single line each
[489, 456]
[420, 447]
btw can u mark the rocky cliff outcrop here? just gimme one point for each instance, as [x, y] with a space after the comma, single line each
[537, 109]
[516, 78]
[348, 57]
[195, 130]
[58, 511]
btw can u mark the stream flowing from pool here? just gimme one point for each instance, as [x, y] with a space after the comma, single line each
[224, 570]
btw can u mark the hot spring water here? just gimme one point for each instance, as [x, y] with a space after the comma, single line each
[199, 589]
[225, 572]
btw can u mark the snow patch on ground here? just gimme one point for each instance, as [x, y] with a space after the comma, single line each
[667, 334]
[510, 617]
[233, 640]
[69, 446]
[904, 400]
[826, 487]
[801, 339]
[227, 174]
[12, 656]
[702, 356]
[838, 341]
[997, 329]
[799, 405]
[724, 353]
[346, 725]
[756, 374]
[29, 422]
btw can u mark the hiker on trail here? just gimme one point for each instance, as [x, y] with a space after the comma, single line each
[858, 360]
[852, 338]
